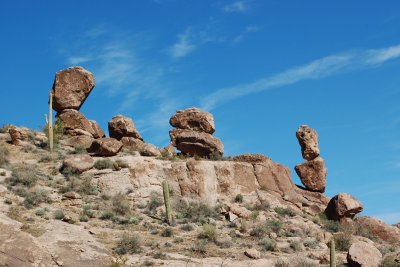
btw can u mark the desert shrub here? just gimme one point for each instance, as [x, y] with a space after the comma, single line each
[83, 218]
[254, 214]
[26, 175]
[310, 244]
[285, 211]
[58, 214]
[79, 150]
[104, 164]
[296, 246]
[120, 220]
[187, 227]
[299, 262]
[195, 212]
[4, 154]
[36, 197]
[68, 172]
[274, 225]
[259, 206]
[121, 163]
[154, 202]
[389, 261]
[129, 244]
[267, 244]
[200, 246]
[167, 232]
[342, 241]
[88, 211]
[86, 186]
[329, 225]
[239, 198]
[208, 231]
[120, 204]
[40, 212]
[262, 229]
[107, 215]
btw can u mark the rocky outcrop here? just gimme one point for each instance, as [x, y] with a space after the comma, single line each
[364, 254]
[379, 229]
[193, 119]
[121, 126]
[149, 150]
[196, 143]
[308, 140]
[98, 132]
[71, 88]
[132, 143]
[18, 135]
[78, 163]
[343, 206]
[106, 147]
[193, 133]
[78, 141]
[313, 174]
[75, 123]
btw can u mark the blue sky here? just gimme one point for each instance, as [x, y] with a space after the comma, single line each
[261, 67]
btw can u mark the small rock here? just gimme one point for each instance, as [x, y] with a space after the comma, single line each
[273, 235]
[132, 143]
[150, 150]
[105, 147]
[18, 135]
[66, 218]
[343, 206]
[252, 253]
[98, 132]
[121, 126]
[241, 212]
[231, 216]
[71, 195]
[363, 254]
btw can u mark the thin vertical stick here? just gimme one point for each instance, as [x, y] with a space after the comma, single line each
[50, 123]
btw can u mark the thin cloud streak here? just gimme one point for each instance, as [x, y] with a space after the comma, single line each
[320, 68]
[236, 7]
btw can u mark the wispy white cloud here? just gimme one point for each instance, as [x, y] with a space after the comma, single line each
[247, 30]
[238, 6]
[389, 217]
[75, 60]
[316, 69]
[192, 38]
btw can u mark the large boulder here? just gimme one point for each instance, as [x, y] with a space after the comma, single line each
[105, 147]
[18, 135]
[121, 126]
[78, 163]
[75, 123]
[343, 206]
[313, 174]
[308, 140]
[364, 254]
[132, 143]
[71, 88]
[377, 228]
[196, 143]
[98, 132]
[193, 119]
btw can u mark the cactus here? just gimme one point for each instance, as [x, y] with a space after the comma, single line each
[332, 252]
[50, 123]
[167, 202]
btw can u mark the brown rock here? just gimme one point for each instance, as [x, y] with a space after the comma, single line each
[18, 135]
[241, 212]
[71, 88]
[78, 162]
[98, 132]
[196, 143]
[75, 123]
[193, 119]
[105, 147]
[121, 126]
[363, 254]
[343, 206]
[274, 177]
[251, 158]
[150, 150]
[379, 229]
[252, 253]
[71, 195]
[313, 174]
[132, 143]
[78, 141]
[308, 140]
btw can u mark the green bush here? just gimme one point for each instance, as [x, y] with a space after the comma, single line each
[195, 212]
[79, 150]
[296, 246]
[389, 261]
[40, 212]
[107, 215]
[36, 197]
[104, 164]
[120, 204]
[167, 232]
[329, 225]
[200, 246]
[311, 244]
[23, 174]
[208, 231]
[268, 244]
[262, 229]
[83, 218]
[285, 211]
[239, 198]
[129, 244]
[187, 227]
[58, 215]
[154, 202]
[342, 241]
[274, 225]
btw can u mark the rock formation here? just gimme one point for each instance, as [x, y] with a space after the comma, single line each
[364, 254]
[313, 172]
[193, 133]
[18, 135]
[78, 163]
[121, 126]
[343, 206]
[105, 147]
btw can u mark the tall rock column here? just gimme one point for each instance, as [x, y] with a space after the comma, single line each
[313, 172]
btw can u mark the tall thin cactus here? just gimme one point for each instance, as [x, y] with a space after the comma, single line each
[332, 254]
[167, 202]
[50, 123]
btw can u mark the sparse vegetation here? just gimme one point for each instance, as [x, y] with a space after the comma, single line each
[238, 198]
[26, 175]
[389, 261]
[268, 244]
[36, 197]
[58, 214]
[129, 244]
[102, 164]
[167, 232]
[4, 153]
[342, 241]
[196, 212]
[120, 204]
[208, 232]
[329, 225]
[285, 211]
[154, 202]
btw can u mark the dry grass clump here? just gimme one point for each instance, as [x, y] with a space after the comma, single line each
[129, 244]
[4, 153]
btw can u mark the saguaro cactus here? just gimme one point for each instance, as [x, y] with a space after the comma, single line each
[332, 252]
[49, 122]
[167, 202]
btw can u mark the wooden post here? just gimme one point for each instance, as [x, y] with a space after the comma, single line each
[167, 202]
[332, 252]
[50, 123]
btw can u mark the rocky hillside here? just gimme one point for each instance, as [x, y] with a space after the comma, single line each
[98, 201]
